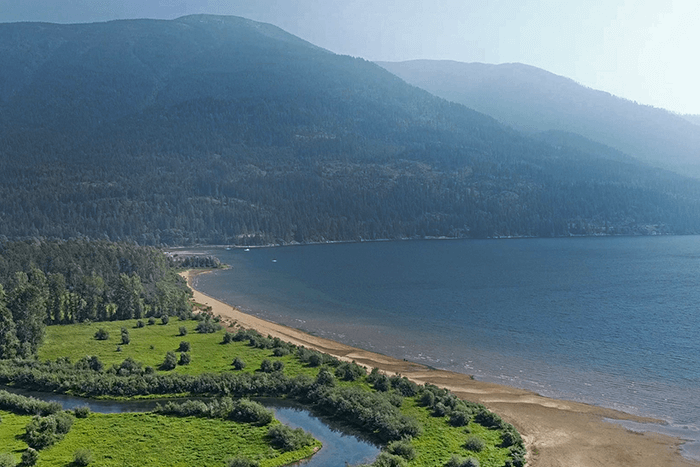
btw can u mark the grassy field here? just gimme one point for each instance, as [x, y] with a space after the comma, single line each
[440, 440]
[145, 440]
[150, 343]
[158, 440]
[11, 427]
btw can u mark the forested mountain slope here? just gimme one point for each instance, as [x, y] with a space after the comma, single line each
[534, 100]
[223, 130]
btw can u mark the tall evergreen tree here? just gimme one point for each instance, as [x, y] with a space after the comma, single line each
[8, 335]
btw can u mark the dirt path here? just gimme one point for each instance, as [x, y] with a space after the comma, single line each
[558, 433]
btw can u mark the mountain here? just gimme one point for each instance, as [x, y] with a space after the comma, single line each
[695, 119]
[533, 100]
[209, 129]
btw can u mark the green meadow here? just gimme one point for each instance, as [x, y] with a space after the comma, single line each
[150, 439]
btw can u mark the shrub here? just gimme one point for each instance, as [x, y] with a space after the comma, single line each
[184, 346]
[183, 331]
[164, 319]
[241, 461]
[459, 417]
[280, 351]
[82, 457]
[349, 371]
[151, 321]
[266, 366]
[245, 410]
[140, 323]
[208, 326]
[474, 444]
[228, 337]
[184, 359]
[101, 335]
[384, 459]
[287, 439]
[488, 419]
[170, 361]
[277, 365]
[403, 449]
[325, 378]
[81, 412]
[402, 384]
[456, 461]
[238, 364]
[7, 460]
[30, 456]
[42, 432]
[125, 336]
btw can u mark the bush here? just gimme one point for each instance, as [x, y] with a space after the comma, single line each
[280, 351]
[456, 461]
[384, 459]
[208, 326]
[228, 337]
[489, 419]
[277, 365]
[101, 335]
[151, 321]
[245, 410]
[81, 412]
[403, 449]
[183, 331]
[266, 366]
[284, 438]
[474, 444]
[238, 364]
[30, 456]
[459, 417]
[349, 371]
[140, 323]
[184, 346]
[82, 457]
[164, 319]
[170, 361]
[241, 461]
[125, 336]
[42, 432]
[7, 460]
[184, 359]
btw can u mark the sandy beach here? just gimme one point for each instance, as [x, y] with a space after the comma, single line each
[557, 432]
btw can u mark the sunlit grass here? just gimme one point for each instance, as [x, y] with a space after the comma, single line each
[145, 439]
[150, 343]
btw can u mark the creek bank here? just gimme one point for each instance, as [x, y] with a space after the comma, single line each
[340, 446]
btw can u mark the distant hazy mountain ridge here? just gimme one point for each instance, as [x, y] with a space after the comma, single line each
[534, 100]
[224, 130]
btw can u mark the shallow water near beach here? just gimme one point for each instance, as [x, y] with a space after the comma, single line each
[608, 321]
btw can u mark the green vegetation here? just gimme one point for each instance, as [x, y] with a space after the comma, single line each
[76, 281]
[418, 425]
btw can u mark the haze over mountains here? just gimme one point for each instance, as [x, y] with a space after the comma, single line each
[534, 100]
[224, 130]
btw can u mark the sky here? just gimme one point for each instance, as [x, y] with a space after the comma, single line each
[642, 50]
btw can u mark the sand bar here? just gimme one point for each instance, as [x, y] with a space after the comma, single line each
[557, 433]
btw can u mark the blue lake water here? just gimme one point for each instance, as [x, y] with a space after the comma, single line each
[609, 321]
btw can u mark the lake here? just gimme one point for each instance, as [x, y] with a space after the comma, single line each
[610, 321]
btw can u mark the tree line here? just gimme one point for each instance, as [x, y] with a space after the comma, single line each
[62, 282]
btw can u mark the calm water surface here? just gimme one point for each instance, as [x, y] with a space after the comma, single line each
[608, 321]
[340, 446]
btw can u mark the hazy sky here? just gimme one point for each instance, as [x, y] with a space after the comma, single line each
[643, 50]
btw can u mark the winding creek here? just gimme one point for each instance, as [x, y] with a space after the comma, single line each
[340, 447]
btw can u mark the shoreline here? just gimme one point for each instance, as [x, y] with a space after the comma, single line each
[556, 432]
